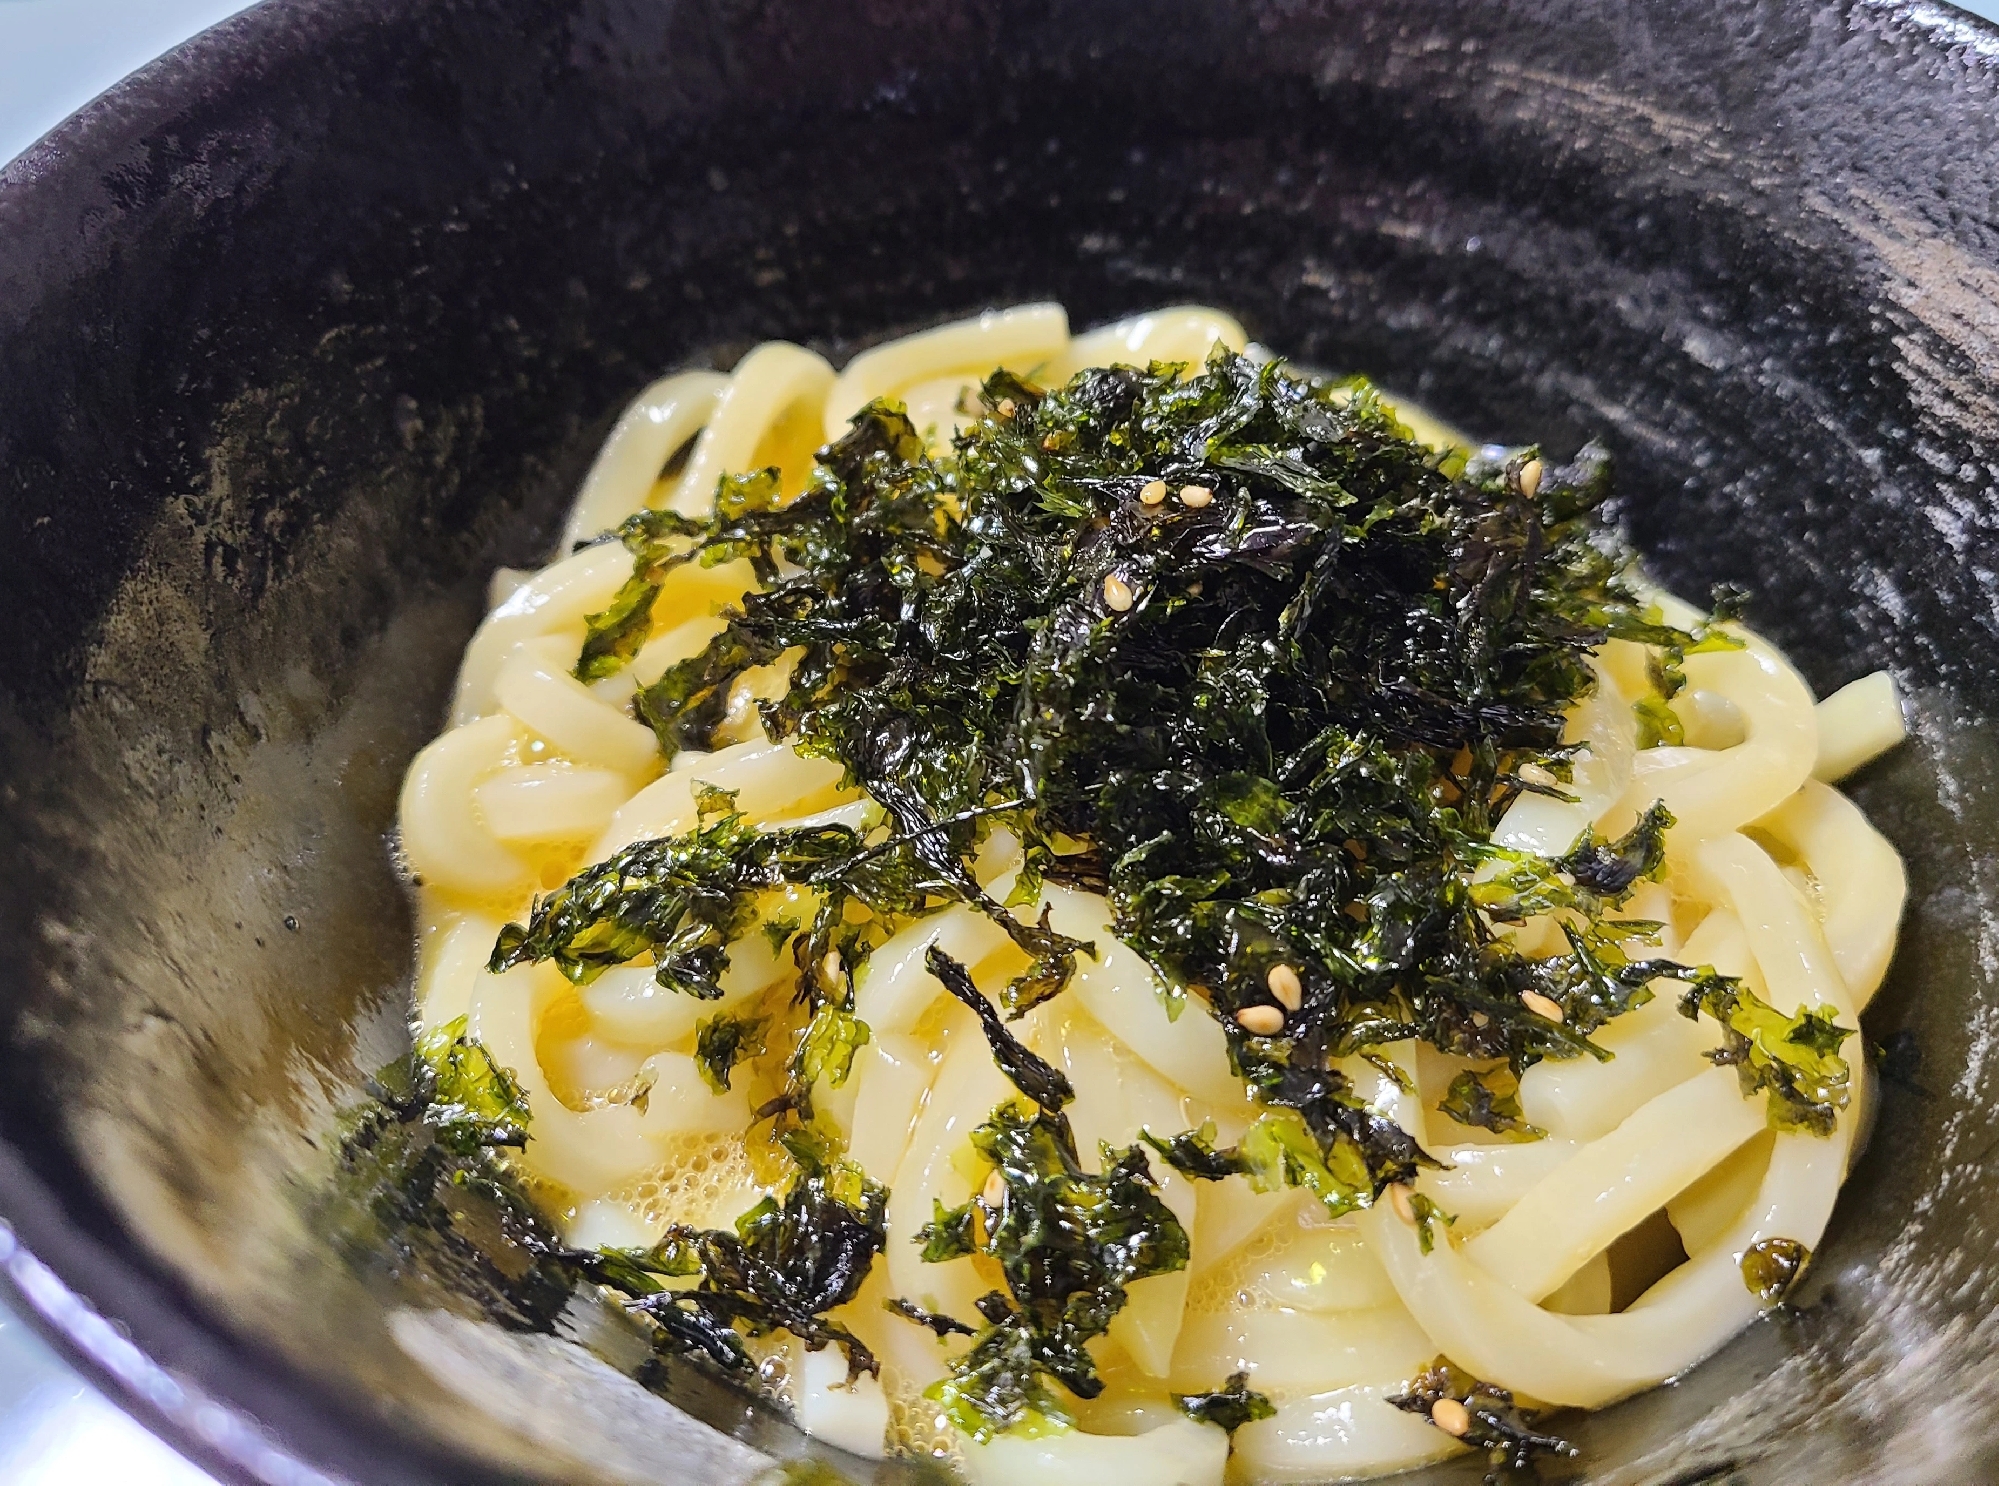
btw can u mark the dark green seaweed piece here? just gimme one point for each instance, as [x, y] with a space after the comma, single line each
[611, 638]
[681, 899]
[1427, 1215]
[940, 1326]
[424, 1183]
[832, 1038]
[1193, 1153]
[1489, 1101]
[1278, 1150]
[786, 1264]
[1772, 1267]
[1033, 1075]
[1673, 646]
[1229, 1407]
[1494, 1422]
[426, 1160]
[1069, 1242]
[722, 1041]
[1610, 869]
[1590, 878]
[1794, 1059]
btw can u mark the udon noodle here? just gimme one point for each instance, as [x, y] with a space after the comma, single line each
[1773, 876]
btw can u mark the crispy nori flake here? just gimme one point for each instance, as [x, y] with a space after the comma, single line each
[614, 636]
[1278, 1150]
[722, 1041]
[941, 1326]
[1491, 1101]
[1428, 1215]
[1672, 646]
[1772, 1267]
[1291, 747]
[424, 1183]
[426, 1159]
[681, 899]
[1591, 877]
[786, 1264]
[827, 1049]
[1230, 1407]
[1504, 1431]
[1069, 1242]
[1032, 1074]
[1794, 1059]
[1611, 869]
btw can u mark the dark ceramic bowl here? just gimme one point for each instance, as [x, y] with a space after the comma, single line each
[312, 323]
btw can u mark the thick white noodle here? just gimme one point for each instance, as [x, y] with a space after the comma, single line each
[1182, 333]
[1774, 877]
[659, 422]
[555, 601]
[773, 382]
[1181, 1453]
[1603, 720]
[1862, 884]
[1022, 339]
[1858, 723]
[445, 836]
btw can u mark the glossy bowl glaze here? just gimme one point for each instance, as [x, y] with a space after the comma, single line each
[309, 325]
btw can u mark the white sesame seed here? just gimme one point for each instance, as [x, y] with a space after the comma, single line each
[1153, 493]
[1540, 1005]
[832, 967]
[995, 1190]
[1005, 408]
[1530, 478]
[1400, 1199]
[1450, 1416]
[1285, 987]
[1260, 1021]
[1195, 495]
[1117, 593]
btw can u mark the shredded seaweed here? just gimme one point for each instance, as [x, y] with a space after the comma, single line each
[1489, 1101]
[425, 1184]
[1289, 747]
[1772, 1267]
[787, 1263]
[1069, 1243]
[1273, 723]
[1032, 1074]
[1229, 1407]
[428, 1154]
[680, 899]
[1278, 1150]
[1493, 1422]
[1793, 1060]
[939, 1325]
[722, 1041]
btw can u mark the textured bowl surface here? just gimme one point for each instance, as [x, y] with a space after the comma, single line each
[312, 323]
